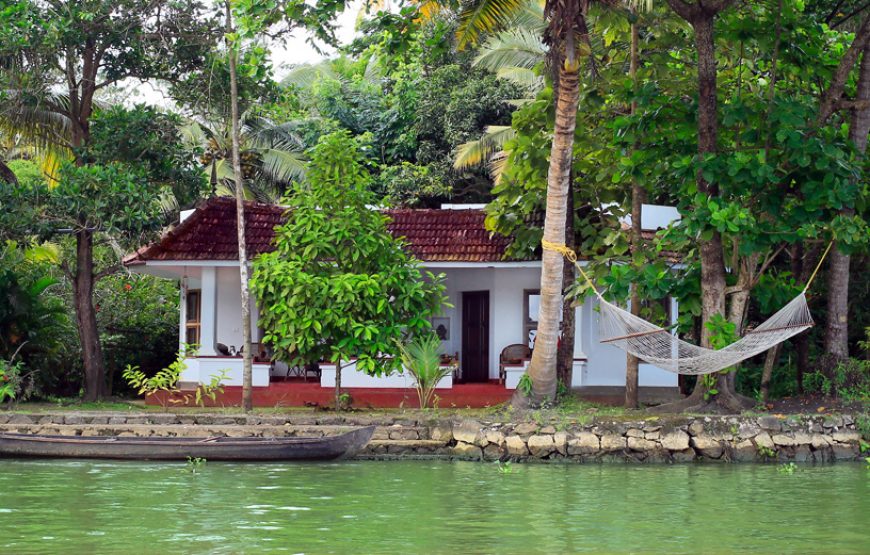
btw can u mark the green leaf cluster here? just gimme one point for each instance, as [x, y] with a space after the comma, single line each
[338, 286]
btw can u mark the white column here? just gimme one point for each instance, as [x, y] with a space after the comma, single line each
[182, 314]
[578, 332]
[208, 311]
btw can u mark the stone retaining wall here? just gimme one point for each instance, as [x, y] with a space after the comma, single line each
[665, 439]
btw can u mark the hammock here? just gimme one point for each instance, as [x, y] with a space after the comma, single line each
[659, 347]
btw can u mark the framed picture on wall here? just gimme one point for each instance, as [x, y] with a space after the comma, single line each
[441, 327]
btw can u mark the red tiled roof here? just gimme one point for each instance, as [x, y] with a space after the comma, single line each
[431, 235]
[447, 235]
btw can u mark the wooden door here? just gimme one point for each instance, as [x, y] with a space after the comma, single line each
[475, 336]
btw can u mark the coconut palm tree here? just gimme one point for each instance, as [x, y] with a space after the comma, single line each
[566, 36]
[271, 155]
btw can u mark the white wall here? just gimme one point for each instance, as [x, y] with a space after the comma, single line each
[606, 364]
[229, 309]
[351, 377]
[505, 287]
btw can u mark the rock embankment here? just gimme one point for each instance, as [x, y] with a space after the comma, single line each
[657, 439]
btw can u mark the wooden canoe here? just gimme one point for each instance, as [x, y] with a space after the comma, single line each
[175, 449]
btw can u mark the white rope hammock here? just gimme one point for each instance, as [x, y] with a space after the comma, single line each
[660, 347]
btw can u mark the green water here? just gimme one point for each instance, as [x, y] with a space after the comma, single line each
[430, 507]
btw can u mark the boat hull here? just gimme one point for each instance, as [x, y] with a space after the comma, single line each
[172, 449]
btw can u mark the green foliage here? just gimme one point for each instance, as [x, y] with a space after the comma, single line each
[848, 380]
[137, 315]
[722, 332]
[45, 32]
[149, 140]
[195, 465]
[421, 357]
[10, 377]
[525, 385]
[338, 286]
[412, 99]
[765, 452]
[505, 467]
[165, 382]
[787, 468]
[119, 185]
[33, 320]
[407, 184]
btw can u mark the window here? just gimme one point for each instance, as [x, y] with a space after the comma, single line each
[192, 317]
[531, 308]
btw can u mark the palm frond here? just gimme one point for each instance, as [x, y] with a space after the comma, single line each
[511, 48]
[43, 252]
[522, 77]
[486, 16]
[531, 17]
[304, 76]
[475, 153]
[281, 165]
[284, 136]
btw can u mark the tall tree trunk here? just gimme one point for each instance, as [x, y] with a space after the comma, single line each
[712, 257]
[542, 368]
[800, 341]
[767, 372]
[338, 386]
[837, 328]
[247, 355]
[7, 175]
[565, 356]
[86, 317]
[702, 16]
[638, 194]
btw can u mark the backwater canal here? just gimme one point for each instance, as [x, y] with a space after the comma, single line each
[407, 507]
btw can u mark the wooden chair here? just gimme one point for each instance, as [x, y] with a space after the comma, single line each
[512, 354]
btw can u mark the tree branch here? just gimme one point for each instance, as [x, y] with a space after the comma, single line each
[834, 93]
[107, 272]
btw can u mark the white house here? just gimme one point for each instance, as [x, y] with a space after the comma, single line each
[494, 299]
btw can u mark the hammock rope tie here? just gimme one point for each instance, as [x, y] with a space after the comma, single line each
[662, 348]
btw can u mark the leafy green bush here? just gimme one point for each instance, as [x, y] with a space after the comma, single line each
[166, 381]
[422, 358]
[525, 385]
[9, 379]
[848, 380]
[33, 318]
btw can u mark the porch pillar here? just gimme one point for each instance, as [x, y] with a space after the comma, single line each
[578, 368]
[182, 313]
[208, 311]
[578, 332]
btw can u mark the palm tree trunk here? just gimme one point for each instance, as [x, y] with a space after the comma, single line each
[247, 355]
[632, 363]
[542, 368]
[565, 356]
[837, 329]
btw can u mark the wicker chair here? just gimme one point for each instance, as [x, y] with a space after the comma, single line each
[512, 354]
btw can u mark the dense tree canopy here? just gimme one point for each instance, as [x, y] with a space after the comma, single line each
[750, 118]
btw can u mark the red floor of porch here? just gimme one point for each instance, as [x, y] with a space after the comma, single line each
[299, 394]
